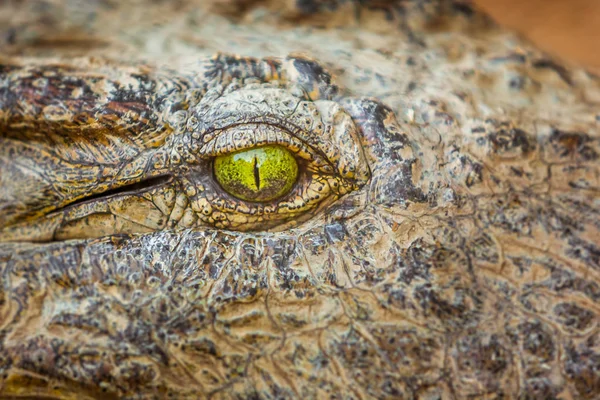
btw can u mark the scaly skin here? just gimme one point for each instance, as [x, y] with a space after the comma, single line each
[462, 263]
[72, 133]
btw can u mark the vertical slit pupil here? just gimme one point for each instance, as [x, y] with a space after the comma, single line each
[256, 174]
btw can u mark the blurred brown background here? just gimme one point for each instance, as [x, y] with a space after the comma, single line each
[569, 29]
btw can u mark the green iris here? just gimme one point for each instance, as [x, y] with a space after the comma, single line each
[260, 174]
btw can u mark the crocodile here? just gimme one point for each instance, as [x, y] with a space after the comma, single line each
[440, 239]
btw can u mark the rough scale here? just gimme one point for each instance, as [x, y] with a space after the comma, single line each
[453, 252]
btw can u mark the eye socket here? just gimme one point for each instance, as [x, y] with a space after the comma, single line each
[260, 174]
[316, 157]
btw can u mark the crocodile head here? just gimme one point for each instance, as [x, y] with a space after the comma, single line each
[437, 255]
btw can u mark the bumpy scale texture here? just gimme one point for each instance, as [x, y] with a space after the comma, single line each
[442, 242]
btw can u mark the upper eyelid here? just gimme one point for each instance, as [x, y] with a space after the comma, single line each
[324, 126]
[305, 130]
[274, 106]
[276, 135]
[271, 116]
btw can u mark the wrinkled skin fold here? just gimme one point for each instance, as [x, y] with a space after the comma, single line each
[457, 256]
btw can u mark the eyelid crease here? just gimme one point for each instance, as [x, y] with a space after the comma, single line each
[263, 119]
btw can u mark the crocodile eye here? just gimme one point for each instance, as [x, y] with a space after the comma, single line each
[262, 174]
[262, 158]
